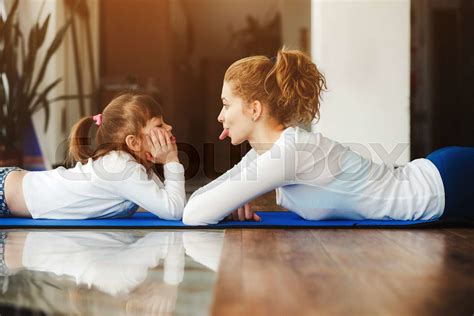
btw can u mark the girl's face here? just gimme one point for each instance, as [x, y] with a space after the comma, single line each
[235, 118]
[156, 122]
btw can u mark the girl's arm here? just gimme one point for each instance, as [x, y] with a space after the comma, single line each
[165, 201]
[252, 177]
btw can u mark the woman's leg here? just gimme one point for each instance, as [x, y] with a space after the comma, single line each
[456, 166]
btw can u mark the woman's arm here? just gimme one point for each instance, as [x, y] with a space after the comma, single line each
[252, 177]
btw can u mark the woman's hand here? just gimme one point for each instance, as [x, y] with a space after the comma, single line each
[244, 213]
[162, 147]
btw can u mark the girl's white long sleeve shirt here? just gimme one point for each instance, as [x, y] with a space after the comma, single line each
[115, 263]
[114, 185]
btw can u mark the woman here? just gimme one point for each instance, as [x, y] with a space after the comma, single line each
[264, 101]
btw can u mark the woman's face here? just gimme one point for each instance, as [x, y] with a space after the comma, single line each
[235, 118]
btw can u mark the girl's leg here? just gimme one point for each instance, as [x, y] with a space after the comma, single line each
[456, 166]
[4, 212]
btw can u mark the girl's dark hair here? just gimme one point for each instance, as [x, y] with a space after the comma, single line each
[127, 114]
[290, 85]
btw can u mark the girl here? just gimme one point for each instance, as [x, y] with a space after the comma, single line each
[111, 180]
[318, 178]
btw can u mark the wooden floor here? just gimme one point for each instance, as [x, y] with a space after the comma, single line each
[238, 272]
[346, 272]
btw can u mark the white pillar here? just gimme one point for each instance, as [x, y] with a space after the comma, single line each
[363, 48]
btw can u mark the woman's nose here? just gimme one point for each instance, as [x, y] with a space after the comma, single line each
[220, 118]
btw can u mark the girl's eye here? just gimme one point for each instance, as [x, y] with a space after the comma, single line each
[225, 106]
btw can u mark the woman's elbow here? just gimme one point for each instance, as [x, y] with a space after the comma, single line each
[189, 217]
[192, 216]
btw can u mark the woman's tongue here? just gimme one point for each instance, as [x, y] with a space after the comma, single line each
[224, 134]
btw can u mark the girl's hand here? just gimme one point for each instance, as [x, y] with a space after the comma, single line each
[244, 213]
[162, 147]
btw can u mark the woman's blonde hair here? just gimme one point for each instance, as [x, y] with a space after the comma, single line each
[127, 114]
[290, 85]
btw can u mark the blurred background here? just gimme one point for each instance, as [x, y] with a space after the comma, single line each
[400, 73]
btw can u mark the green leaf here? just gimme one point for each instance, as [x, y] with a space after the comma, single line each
[21, 41]
[2, 25]
[10, 17]
[43, 29]
[53, 47]
[43, 95]
[6, 35]
[47, 115]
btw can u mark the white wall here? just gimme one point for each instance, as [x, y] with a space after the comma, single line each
[28, 12]
[363, 48]
[68, 70]
[295, 16]
[52, 143]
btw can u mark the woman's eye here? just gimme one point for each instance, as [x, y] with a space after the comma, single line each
[225, 106]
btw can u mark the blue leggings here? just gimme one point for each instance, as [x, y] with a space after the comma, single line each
[456, 166]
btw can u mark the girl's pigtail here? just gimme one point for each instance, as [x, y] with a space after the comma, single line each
[79, 141]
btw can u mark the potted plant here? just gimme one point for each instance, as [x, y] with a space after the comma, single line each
[22, 73]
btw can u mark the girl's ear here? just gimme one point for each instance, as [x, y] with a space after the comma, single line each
[133, 143]
[256, 109]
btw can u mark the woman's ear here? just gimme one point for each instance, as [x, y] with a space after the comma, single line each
[133, 143]
[256, 109]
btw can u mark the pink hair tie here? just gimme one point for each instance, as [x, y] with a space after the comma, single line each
[98, 119]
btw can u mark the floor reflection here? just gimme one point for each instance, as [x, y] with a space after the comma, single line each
[133, 272]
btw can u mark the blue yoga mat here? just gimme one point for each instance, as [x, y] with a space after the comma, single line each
[148, 220]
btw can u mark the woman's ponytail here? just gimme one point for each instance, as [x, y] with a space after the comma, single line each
[80, 141]
[300, 85]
